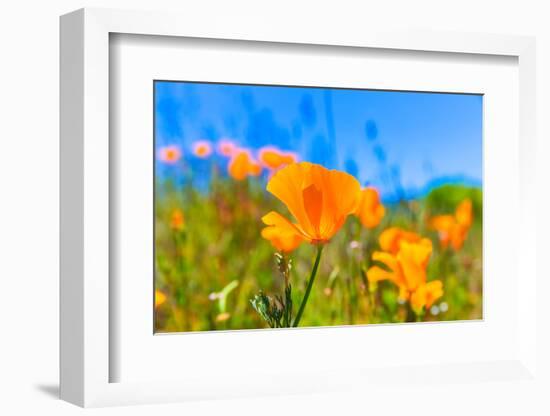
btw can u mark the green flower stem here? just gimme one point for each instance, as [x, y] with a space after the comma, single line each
[309, 286]
[411, 314]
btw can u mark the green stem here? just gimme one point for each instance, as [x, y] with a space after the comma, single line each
[411, 315]
[309, 286]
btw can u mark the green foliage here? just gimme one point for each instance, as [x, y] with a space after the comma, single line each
[275, 311]
[269, 309]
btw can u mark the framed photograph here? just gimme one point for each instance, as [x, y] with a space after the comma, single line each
[297, 209]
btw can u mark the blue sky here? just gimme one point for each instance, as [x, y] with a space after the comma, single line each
[400, 142]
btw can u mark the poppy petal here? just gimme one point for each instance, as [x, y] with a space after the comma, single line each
[376, 274]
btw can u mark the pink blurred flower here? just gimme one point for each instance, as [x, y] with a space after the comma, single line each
[227, 147]
[202, 148]
[169, 154]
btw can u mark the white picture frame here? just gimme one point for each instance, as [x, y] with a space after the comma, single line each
[85, 212]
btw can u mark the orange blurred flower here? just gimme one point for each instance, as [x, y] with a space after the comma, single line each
[370, 211]
[453, 229]
[242, 165]
[390, 239]
[319, 199]
[408, 270]
[160, 298]
[177, 220]
[169, 154]
[222, 317]
[226, 147]
[255, 169]
[273, 158]
[464, 213]
[202, 149]
[426, 294]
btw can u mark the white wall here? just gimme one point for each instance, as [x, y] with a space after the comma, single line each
[29, 56]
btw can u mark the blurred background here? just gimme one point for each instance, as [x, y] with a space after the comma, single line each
[422, 153]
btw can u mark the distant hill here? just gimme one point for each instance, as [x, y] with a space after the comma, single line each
[445, 198]
[408, 194]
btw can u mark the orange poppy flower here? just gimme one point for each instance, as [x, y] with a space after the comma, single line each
[370, 211]
[285, 241]
[408, 270]
[413, 259]
[169, 154]
[390, 239]
[319, 199]
[426, 294]
[160, 298]
[242, 165]
[202, 149]
[273, 158]
[226, 147]
[464, 213]
[255, 169]
[453, 229]
[177, 220]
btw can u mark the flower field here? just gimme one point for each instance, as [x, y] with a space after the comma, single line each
[257, 238]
